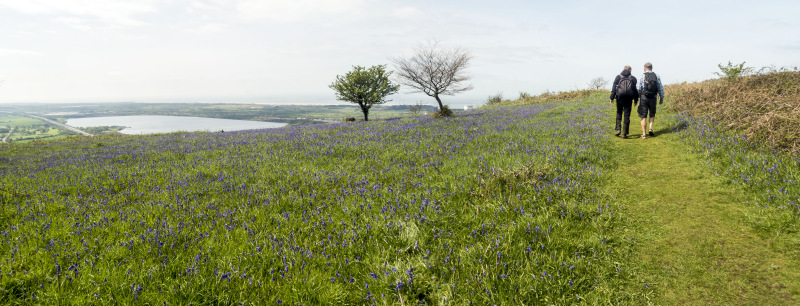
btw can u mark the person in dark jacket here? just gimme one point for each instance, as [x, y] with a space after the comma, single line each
[624, 95]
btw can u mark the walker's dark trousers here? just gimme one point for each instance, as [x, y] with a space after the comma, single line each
[623, 108]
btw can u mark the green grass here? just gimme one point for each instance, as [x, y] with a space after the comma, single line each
[19, 121]
[493, 207]
[691, 225]
[35, 133]
[531, 204]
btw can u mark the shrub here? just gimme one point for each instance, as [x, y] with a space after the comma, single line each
[732, 72]
[445, 112]
[494, 99]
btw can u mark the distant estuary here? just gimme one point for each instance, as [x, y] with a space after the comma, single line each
[137, 125]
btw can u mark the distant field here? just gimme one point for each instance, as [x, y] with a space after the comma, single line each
[7, 120]
[40, 133]
[28, 129]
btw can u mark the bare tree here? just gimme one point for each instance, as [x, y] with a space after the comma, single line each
[598, 83]
[434, 71]
[416, 107]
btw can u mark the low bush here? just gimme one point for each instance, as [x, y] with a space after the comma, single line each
[445, 112]
[494, 99]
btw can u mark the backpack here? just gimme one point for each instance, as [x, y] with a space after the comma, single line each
[625, 87]
[650, 87]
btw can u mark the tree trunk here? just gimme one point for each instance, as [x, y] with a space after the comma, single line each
[365, 110]
[441, 107]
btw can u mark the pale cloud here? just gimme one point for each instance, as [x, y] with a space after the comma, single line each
[75, 23]
[210, 28]
[791, 46]
[295, 10]
[18, 52]
[108, 12]
[406, 12]
[103, 50]
[202, 6]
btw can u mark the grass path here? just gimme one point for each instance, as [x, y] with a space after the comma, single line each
[694, 246]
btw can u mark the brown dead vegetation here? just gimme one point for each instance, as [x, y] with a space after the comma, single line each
[549, 96]
[764, 107]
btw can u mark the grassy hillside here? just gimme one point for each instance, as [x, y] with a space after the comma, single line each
[713, 201]
[747, 133]
[531, 201]
[704, 236]
[499, 206]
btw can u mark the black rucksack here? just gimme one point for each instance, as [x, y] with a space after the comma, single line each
[625, 87]
[650, 87]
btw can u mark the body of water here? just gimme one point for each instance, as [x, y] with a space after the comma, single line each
[168, 124]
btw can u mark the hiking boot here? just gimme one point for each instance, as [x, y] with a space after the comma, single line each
[616, 132]
[624, 136]
[651, 133]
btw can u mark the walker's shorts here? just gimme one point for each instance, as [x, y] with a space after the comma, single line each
[647, 105]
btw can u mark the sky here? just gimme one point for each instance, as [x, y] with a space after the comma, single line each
[249, 51]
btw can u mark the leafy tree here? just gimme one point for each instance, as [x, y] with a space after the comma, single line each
[733, 71]
[435, 71]
[365, 87]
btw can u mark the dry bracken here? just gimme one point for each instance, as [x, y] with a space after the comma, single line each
[763, 107]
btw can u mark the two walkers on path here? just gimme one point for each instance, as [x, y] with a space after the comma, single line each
[626, 91]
